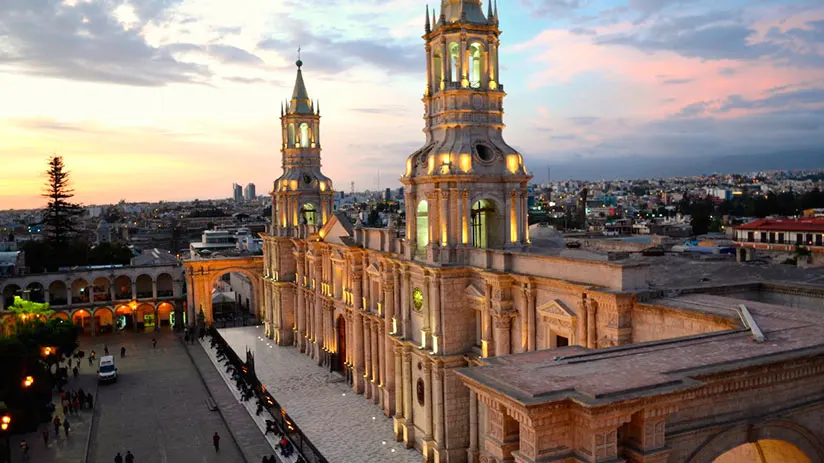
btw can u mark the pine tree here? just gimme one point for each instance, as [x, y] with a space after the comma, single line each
[60, 214]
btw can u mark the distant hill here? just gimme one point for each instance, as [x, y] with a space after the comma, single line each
[647, 167]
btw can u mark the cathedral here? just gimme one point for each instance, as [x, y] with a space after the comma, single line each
[445, 324]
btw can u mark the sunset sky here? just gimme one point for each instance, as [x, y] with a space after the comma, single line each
[178, 99]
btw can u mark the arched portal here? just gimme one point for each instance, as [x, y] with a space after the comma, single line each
[165, 314]
[165, 285]
[341, 351]
[60, 315]
[102, 289]
[203, 276]
[764, 451]
[476, 52]
[486, 225]
[123, 288]
[124, 317]
[454, 62]
[80, 291]
[146, 320]
[304, 135]
[104, 320]
[422, 224]
[144, 286]
[83, 319]
[36, 292]
[9, 291]
[291, 135]
[58, 294]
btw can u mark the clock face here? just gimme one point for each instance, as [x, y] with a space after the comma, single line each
[417, 299]
[307, 179]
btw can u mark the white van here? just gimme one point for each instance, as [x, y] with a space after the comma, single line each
[106, 371]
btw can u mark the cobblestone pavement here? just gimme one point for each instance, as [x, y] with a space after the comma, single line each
[63, 449]
[344, 426]
[156, 408]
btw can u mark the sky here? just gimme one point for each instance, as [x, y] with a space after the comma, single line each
[152, 100]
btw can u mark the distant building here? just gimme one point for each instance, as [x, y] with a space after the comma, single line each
[249, 192]
[782, 235]
[387, 195]
[237, 192]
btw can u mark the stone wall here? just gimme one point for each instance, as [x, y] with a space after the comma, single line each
[654, 323]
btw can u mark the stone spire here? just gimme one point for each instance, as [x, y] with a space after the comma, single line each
[428, 27]
[300, 97]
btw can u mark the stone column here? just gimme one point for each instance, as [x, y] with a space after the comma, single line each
[486, 338]
[428, 409]
[532, 315]
[154, 289]
[92, 322]
[472, 451]
[592, 341]
[357, 352]
[503, 325]
[436, 313]
[408, 425]
[367, 349]
[398, 390]
[444, 219]
[373, 337]
[134, 289]
[406, 311]
[438, 406]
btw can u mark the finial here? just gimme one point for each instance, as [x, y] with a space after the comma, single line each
[281, 108]
[496, 11]
[318, 107]
[434, 23]
[299, 62]
[489, 17]
[428, 27]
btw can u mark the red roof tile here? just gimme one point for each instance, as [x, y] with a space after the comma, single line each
[812, 225]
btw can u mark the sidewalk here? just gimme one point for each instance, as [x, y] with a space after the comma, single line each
[245, 431]
[63, 449]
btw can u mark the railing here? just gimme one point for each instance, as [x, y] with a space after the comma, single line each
[165, 293]
[285, 424]
[123, 296]
[144, 294]
[58, 301]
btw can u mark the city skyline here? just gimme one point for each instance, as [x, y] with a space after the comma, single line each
[186, 93]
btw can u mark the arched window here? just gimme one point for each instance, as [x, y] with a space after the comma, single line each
[475, 61]
[422, 224]
[485, 224]
[308, 214]
[437, 63]
[291, 135]
[454, 61]
[304, 135]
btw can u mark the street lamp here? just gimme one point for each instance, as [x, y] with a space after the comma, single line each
[28, 381]
[5, 424]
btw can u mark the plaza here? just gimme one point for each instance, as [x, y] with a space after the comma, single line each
[343, 426]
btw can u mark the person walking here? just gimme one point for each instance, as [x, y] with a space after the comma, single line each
[129, 456]
[45, 434]
[216, 442]
[56, 426]
[24, 447]
[122, 351]
[154, 343]
[90, 359]
[118, 458]
[105, 349]
[66, 426]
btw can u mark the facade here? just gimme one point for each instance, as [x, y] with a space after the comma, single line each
[782, 234]
[237, 192]
[423, 321]
[100, 299]
[249, 193]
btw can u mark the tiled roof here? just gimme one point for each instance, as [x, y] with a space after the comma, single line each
[802, 225]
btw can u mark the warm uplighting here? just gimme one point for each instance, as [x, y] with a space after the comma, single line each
[465, 162]
[434, 344]
[28, 381]
[48, 351]
[423, 339]
[513, 163]
[394, 325]
[5, 422]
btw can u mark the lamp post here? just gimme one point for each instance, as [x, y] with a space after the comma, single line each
[5, 424]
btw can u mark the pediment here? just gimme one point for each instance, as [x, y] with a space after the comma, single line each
[334, 231]
[473, 291]
[373, 269]
[556, 308]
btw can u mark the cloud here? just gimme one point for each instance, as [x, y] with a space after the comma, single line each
[584, 120]
[676, 81]
[86, 42]
[648, 7]
[554, 7]
[389, 110]
[582, 31]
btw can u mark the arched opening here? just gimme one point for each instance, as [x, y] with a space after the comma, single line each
[308, 214]
[35, 292]
[486, 224]
[476, 53]
[291, 135]
[233, 299]
[437, 64]
[144, 286]
[764, 451]
[102, 289]
[104, 320]
[165, 313]
[124, 317]
[422, 225]
[341, 353]
[146, 320]
[83, 319]
[123, 288]
[9, 291]
[165, 285]
[60, 315]
[454, 61]
[304, 135]
[80, 291]
[57, 293]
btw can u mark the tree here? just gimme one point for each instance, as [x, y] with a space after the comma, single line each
[25, 309]
[60, 214]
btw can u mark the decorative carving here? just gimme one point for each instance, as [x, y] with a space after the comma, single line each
[417, 299]
[421, 392]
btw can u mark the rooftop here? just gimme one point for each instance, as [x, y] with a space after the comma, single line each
[802, 225]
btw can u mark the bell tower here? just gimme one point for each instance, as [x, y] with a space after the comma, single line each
[465, 187]
[302, 197]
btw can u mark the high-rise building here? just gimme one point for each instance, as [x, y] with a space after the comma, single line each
[249, 192]
[387, 195]
[237, 192]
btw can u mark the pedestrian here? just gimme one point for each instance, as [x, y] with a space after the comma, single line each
[69, 406]
[66, 426]
[129, 456]
[118, 458]
[122, 351]
[105, 349]
[56, 426]
[154, 343]
[76, 372]
[216, 442]
[24, 447]
[90, 400]
[76, 405]
[45, 434]
[90, 359]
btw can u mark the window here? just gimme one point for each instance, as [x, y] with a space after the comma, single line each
[304, 135]
[291, 135]
[750, 237]
[763, 237]
[479, 327]
[781, 238]
[420, 391]
[561, 341]
[422, 225]
[437, 63]
[475, 58]
[818, 239]
[308, 214]
[481, 214]
[772, 237]
[454, 61]
[799, 238]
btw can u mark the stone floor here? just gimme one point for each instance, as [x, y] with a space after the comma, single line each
[341, 424]
[156, 408]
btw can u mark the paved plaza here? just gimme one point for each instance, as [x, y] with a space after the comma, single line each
[344, 426]
[156, 408]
